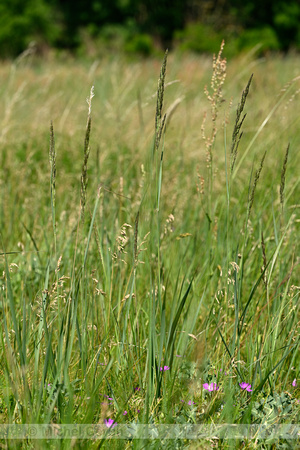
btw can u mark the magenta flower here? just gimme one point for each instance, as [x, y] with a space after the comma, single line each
[294, 383]
[110, 423]
[124, 413]
[162, 369]
[245, 386]
[109, 398]
[190, 402]
[211, 387]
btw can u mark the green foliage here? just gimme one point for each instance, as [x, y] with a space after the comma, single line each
[277, 21]
[111, 38]
[22, 21]
[286, 23]
[264, 39]
[162, 18]
[193, 25]
[140, 44]
[274, 408]
[199, 38]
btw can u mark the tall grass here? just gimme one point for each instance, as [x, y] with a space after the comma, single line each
[175, 267]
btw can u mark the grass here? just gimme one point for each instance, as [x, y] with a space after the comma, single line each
[157, 252]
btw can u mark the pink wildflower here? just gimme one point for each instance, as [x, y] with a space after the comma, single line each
[110, 423]
[245, 386]
[211, 387]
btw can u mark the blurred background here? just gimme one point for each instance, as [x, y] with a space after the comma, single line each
[99, 27]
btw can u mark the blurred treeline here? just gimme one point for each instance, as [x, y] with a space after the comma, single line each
[146, 25]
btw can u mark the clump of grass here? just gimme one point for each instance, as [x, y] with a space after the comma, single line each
[191, 331]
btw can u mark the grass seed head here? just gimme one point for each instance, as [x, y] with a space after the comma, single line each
[283, 171]
[256, 178]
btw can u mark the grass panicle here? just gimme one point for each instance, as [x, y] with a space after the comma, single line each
[283, 172]
[52, 158]
[254, 185]
[237, 134]
[86, 154]
[159, 120]
[264, 256]
[136, 229]
[215, 98]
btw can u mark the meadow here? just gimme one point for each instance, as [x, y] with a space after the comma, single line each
[149, 244]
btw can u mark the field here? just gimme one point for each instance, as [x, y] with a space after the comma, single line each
[150, 246]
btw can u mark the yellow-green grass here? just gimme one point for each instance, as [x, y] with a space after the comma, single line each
[216, 277]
